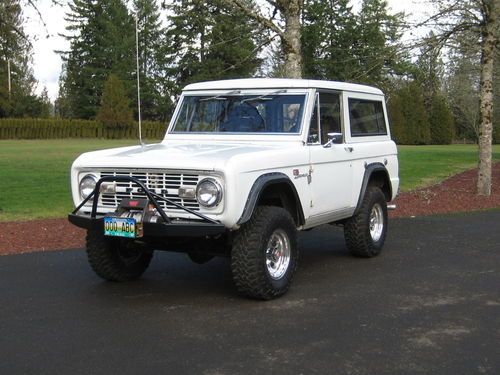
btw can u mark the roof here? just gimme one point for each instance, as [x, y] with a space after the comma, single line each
[278, 83]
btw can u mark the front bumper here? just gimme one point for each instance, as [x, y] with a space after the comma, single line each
[172, 229]
[167, 227]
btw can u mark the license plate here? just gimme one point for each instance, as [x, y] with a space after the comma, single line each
[120, 227]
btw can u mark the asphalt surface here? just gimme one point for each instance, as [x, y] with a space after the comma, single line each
[429, 304]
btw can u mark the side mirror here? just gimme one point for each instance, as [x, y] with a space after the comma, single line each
[333, 138]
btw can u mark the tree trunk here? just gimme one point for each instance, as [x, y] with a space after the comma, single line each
[486, 102]
[291, 38]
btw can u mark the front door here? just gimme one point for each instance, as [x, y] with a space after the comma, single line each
[331, 178]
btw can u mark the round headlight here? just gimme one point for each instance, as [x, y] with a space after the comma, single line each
[208, 192]
[87, 185]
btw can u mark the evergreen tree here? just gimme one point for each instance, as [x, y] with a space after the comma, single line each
[15, 50]
[328, 36]
[187, 38]
[408, 114]
[429, 69]
[314, 34]
[232, 51]
[208, 41]
[155, 97]
[462, 88]
[376, 50]
[46, 107]
[416, 118]
[62, 106]
[101, 42]
[440, 121]
[397, 119]
[115, 109]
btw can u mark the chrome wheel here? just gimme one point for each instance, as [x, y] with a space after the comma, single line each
[278, 254]
[376, 222]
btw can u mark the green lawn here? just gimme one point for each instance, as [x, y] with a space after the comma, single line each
[421, 166]
[34, 175]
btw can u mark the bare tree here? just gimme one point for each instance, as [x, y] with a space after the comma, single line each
[489, 40]
[289, 33]
[481, 18]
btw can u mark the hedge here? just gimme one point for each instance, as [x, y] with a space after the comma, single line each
[29, 128]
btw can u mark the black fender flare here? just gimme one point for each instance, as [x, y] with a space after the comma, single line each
[260, 184]
[369, 170]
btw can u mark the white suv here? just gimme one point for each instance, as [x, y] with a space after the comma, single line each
[244, 165]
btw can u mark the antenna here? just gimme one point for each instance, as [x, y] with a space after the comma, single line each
[138, 80]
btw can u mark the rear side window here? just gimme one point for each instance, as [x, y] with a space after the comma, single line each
[366, 117]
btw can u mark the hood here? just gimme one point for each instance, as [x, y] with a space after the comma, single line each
[174, 155]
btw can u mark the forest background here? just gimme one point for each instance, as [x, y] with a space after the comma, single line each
[432, 83]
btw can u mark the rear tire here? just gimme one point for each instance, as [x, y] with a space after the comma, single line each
[365, 232]
[265, 254]
[116, 259]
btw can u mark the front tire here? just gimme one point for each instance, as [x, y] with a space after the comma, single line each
[116, 259]
[365, 232]
[265, 254]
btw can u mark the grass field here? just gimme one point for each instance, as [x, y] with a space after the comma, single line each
[421, 166]
[34, 175]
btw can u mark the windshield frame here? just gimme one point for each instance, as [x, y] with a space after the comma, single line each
[172, 134]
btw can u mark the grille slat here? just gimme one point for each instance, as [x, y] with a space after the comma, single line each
[157, 182]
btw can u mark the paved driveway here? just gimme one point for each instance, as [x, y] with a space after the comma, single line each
[429, 304]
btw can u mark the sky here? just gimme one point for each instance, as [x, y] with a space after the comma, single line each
[47, 39]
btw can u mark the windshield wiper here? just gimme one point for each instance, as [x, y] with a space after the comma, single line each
[220, 96]
[263, 97]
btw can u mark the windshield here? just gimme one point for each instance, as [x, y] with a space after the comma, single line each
[224, 113]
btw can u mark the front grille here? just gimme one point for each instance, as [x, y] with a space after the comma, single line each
[165, 184]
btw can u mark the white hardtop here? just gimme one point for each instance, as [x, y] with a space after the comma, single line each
[280, 83]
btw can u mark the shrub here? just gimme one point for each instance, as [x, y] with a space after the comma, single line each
[29, 128]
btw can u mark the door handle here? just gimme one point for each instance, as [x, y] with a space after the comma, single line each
[349, 148]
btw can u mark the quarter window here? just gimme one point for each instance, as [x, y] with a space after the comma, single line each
[366, 117]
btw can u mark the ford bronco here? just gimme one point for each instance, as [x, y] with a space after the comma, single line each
[244, 165]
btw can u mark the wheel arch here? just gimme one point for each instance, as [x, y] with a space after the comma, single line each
[274, 189]
[375, 174]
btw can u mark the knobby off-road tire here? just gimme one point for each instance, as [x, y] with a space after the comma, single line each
[264, 254]
[116, 259]
[365, 232]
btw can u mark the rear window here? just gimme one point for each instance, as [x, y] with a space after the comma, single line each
[367, 118]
